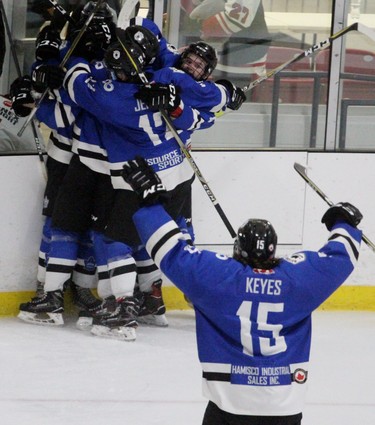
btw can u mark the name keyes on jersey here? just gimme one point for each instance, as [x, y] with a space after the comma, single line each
[264, 286]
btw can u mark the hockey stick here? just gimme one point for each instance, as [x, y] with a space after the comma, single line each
[369, 32]
[169, 123]
[63, 63]
[320, 46]
[62, 11]
[19, 74]
[301, 170]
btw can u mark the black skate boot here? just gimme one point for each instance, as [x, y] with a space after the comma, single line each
[152, 310]
[83, 298]
[129, 310]
[120, 324]
[104, 308]
[44, 310]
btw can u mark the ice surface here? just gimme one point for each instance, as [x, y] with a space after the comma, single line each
[61, 376]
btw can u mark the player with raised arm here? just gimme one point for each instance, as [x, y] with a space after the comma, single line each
[253, 311]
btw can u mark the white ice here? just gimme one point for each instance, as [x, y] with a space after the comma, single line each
[61, 376]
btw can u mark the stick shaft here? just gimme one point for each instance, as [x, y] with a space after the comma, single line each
[301, 170]
[320, 46]
[62, 11]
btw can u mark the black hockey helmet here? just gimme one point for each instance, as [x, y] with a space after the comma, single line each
[145, 39]
[256, 240]
[204, 51]
[118, 61]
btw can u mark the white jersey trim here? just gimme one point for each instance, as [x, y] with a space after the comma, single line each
[166, 244]
[280, 400]
[71, 76]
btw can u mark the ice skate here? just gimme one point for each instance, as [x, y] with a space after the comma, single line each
[152, 310]
[86, 316]
[83, 298]
[44, 309]
[121, 324]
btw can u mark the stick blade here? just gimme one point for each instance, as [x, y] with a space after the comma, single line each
[369, 32]
[126, 13]
[300, 169]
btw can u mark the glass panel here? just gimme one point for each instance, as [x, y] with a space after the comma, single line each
[28, 18]
[253, 38]
[10, 123]
[287, 111]
[357, 82]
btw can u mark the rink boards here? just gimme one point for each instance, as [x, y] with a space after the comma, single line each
[256, 184]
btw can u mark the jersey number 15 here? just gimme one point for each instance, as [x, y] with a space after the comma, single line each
[268, 346]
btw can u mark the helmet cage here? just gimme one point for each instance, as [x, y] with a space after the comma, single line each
[204, 51]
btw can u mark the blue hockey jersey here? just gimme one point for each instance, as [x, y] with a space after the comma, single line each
[59, 114]
[253, 326]
[121, 127]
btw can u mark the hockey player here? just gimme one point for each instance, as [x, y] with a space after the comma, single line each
[69, 220]
[122, 138]
[253, 311]
[82, 147]
[80, 173]
[59, 117]
[102, 99]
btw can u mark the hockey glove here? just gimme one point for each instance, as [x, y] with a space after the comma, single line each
[160, 96]
[94, 41]
[20, 93]
[47, 76]
[48, 44]
[143, 180]
[236, 95]
[342, 211]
